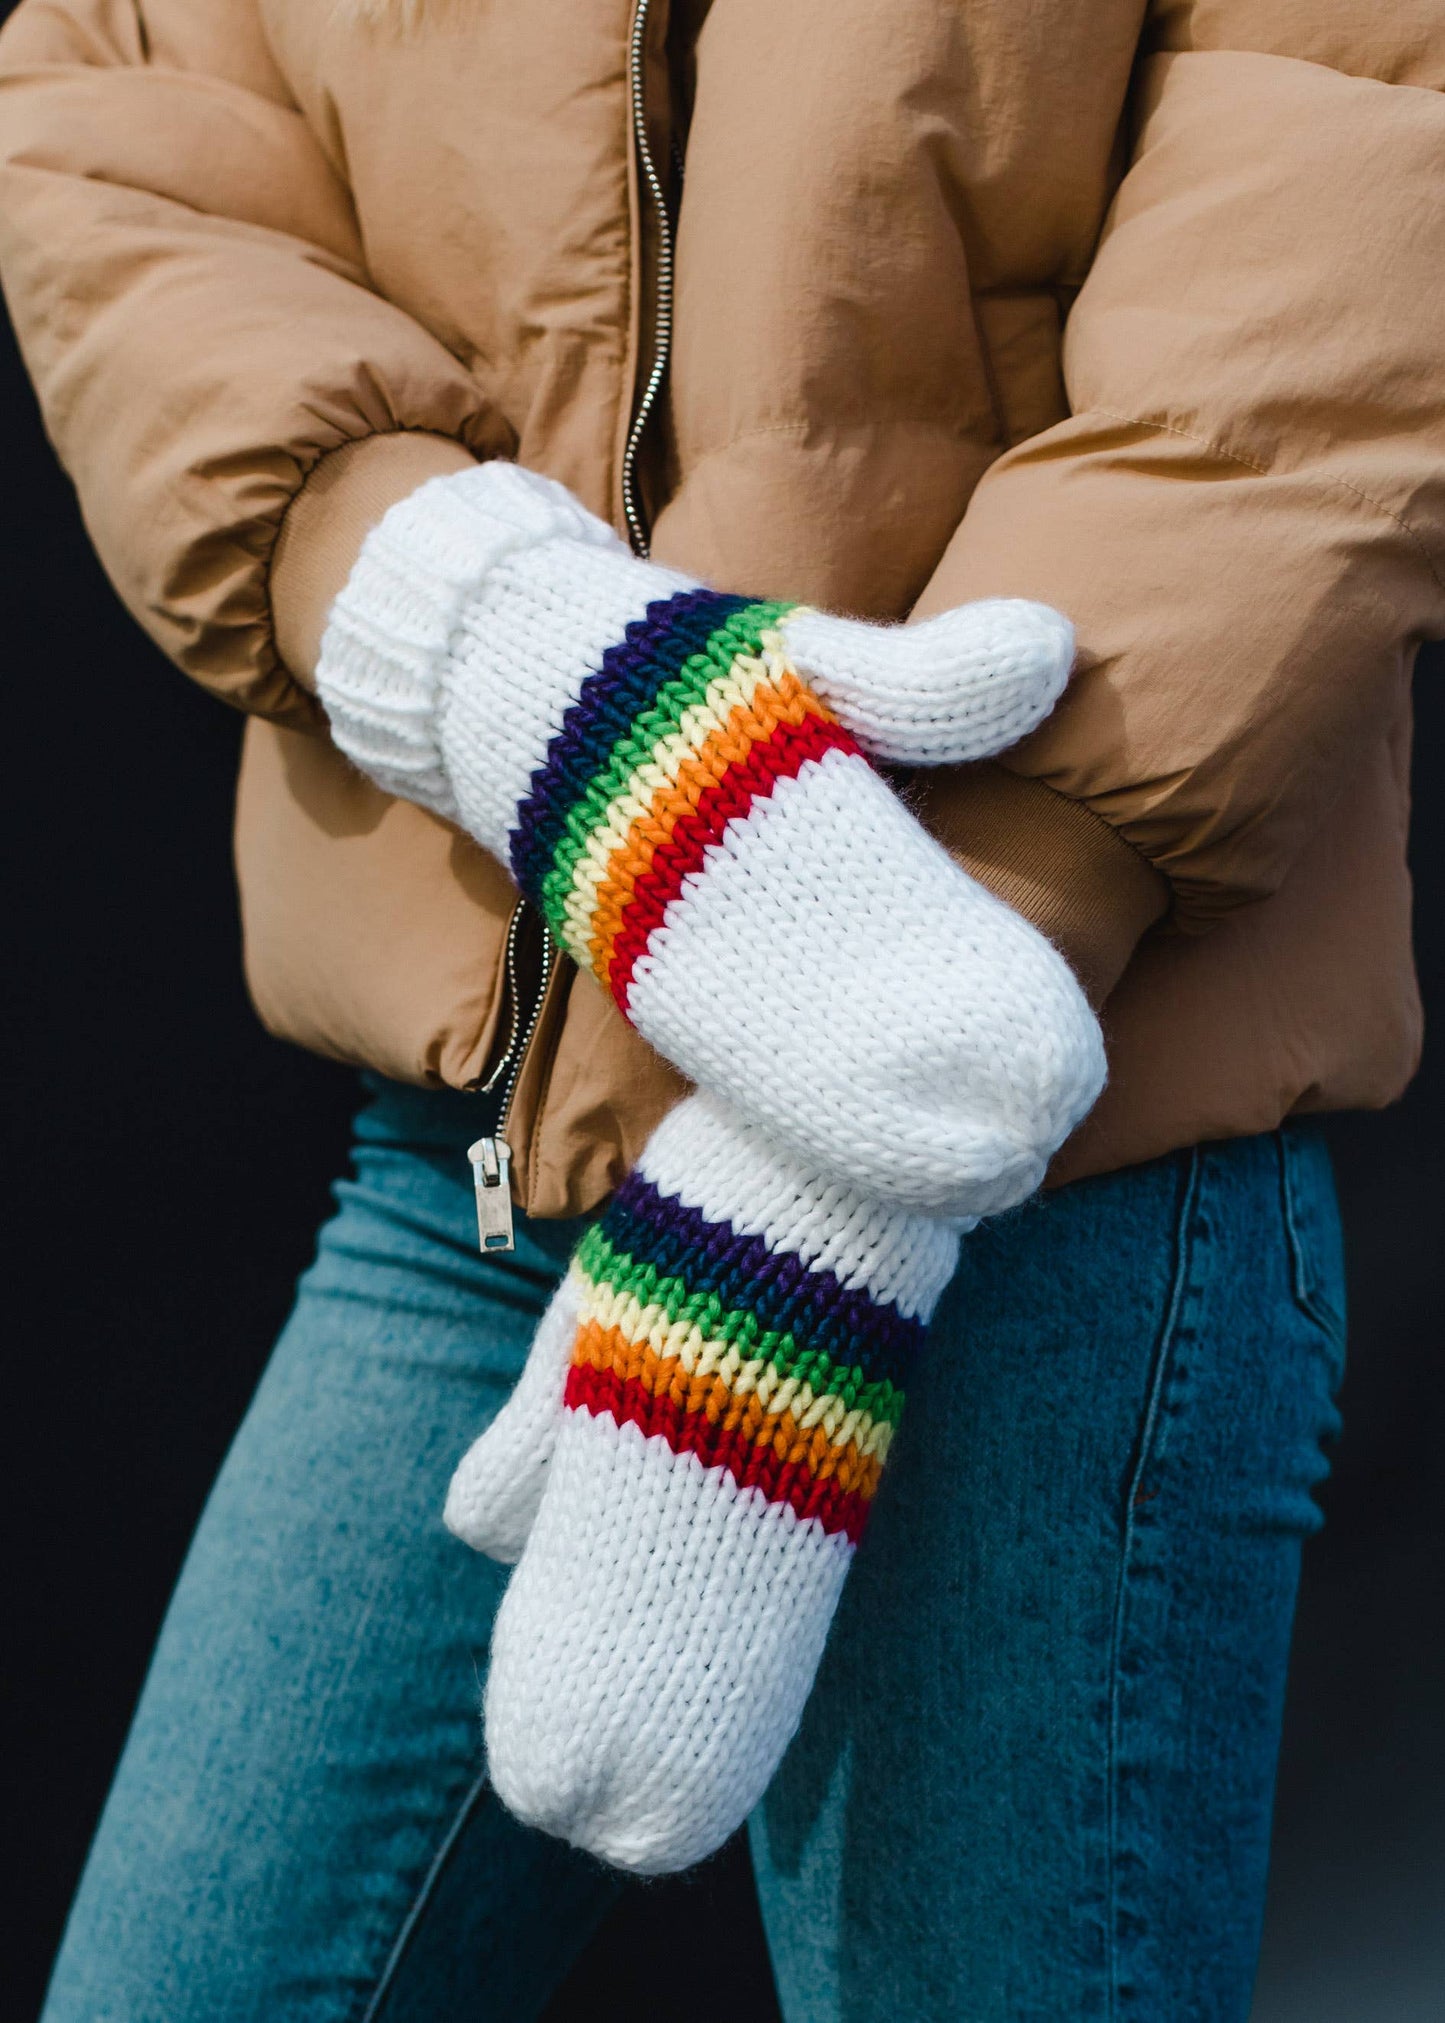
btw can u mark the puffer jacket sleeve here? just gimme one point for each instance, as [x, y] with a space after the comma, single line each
[186, 278]
[1245, 513]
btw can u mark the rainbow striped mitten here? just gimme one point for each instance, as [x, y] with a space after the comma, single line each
[678, 779]
[686, 1468]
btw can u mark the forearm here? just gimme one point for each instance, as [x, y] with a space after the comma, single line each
[345, 495]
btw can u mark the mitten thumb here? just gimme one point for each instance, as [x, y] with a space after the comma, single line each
[495, 1493]
[946, 691]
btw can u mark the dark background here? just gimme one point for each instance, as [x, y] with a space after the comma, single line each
[168, 1165]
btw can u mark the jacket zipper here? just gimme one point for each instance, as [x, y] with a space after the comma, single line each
[491, 1156]
[662, 300]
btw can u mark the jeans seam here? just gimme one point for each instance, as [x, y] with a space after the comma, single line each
[1311, 1303]
[1161, 1364]
[425, 1891]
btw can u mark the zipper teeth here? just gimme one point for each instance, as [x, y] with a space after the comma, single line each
[662, 322]
[519, 1055]
[514, 992]
[520, 1037]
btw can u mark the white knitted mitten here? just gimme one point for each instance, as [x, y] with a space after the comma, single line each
[685, 1468]
[676, 779]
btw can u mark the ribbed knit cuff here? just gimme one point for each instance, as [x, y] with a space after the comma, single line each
[1050, 858]
[391, 639]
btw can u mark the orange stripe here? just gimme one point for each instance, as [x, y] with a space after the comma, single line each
[787, 700]
[609, 1349]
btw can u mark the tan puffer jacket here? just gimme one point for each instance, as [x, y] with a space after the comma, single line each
[1135, 309]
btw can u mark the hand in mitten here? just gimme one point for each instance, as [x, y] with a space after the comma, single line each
[678, 779]
[686, 1468]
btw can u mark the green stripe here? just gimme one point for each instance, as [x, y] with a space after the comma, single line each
[740, 634]
[608, 1265]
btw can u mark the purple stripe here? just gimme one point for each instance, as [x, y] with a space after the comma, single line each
[777, 1287]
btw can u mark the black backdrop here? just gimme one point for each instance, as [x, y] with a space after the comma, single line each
[167, 1166]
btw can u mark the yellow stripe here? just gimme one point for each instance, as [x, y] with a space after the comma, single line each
[701, 1357]
[844, 1461]
[728, 692]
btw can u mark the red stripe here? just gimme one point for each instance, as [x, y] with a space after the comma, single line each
[779, 756]
[604, 1393]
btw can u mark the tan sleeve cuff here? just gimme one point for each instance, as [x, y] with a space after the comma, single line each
[1053, 860]
[344, 496]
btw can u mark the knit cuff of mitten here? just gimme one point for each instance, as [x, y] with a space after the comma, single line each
[430, 574]
[594, 721]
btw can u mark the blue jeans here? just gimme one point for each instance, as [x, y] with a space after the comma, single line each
[1034, 1781]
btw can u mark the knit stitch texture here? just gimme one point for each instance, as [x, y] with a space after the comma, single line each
[692, 808]
[741, 1336]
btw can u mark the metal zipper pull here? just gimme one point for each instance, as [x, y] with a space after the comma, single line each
[492, 1173]
[491, 1157]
